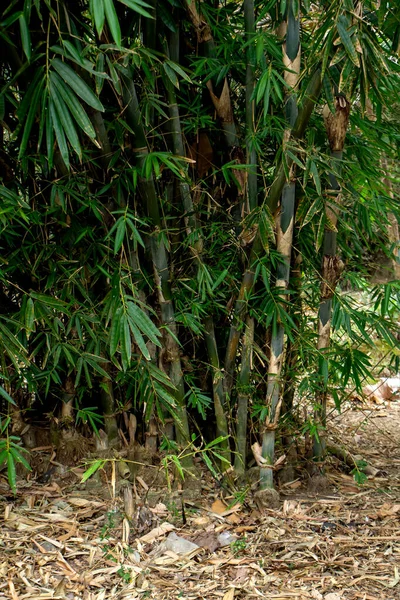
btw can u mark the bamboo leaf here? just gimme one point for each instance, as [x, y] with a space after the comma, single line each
[167, 17]
[178, 70]
[77, 84]
[96, 465]
[294, 158]
[74, 105]
[266, 229]
[74, 52]
[61, 141]
[25, 37]
[11, 19]
[49, 137]
[168, 399]
[261, 86]
[97, 10]
[315, 208]
[115, 332]
[320, 232]
[144, 323]
[156, 373]
[139, 338]
[16, 452]
[327, 51]
[171, 74]
[11, 473]
[315, 175]
[31, 117]
[29, 316]
[126, 342]
[220, 279]
[135, 233]
[100, 68]
[119, 236]
[139, 7]
[6, 396]
[79, 366]
[112, 20]
[114, 76]
[342, 26]
[51, 301]
[65, 119]
[329, 94]
[92, 360]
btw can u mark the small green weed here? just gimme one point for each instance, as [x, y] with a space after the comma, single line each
[238, 546]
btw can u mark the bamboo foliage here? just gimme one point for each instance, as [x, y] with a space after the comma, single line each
[150, 153]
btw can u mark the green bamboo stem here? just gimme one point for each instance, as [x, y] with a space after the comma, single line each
[220, 95]
[292, 354]
[150, 26]
[160, 261]
[284, 241]
[393, 224]
[237, 327]
[179, 150]
[243, 394]
[272, 201]
[249, 22]
[273, 397]
[218, 392]
[252, 201]
[336, 126]
[109, 409]
[325, 308]
[191, 227]
[101, 135]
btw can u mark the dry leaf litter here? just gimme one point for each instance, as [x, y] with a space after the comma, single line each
[65, 543]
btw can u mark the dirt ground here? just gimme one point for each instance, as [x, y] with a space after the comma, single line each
[68, 542]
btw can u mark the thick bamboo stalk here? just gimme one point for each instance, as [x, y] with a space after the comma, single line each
[252, 200]
[192, 227]
[249, 21]
[109, 409]
[393, 225]
[284, 240]
[179, 149]
[243, 394]
[274, 398]
[291, 361]
[221, 100]
[336, 126]
[218, 392]
[272, 201]
[160, 262]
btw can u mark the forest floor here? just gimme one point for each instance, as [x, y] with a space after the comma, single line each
[63, 541]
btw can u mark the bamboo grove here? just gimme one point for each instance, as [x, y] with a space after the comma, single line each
[192, 196]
